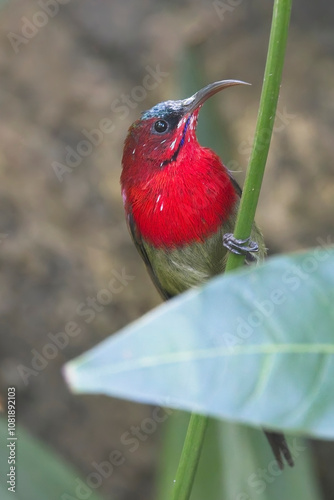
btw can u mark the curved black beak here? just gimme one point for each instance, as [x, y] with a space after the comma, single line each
[195, 101]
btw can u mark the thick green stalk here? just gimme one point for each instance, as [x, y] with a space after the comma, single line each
[190, 456]
[271, 84]
[264, 126]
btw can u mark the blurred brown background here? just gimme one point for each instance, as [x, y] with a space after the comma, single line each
[62, 237]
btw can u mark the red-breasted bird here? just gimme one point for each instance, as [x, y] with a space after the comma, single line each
[181, 204]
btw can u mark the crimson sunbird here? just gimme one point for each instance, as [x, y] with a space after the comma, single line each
[181, 204]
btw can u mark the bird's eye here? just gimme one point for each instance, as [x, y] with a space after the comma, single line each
[160, 126]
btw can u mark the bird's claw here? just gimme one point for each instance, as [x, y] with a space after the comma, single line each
[239, 247]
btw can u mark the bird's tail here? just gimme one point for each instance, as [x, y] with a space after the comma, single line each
[280, 448]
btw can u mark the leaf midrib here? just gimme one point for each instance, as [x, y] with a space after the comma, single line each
[214, 352]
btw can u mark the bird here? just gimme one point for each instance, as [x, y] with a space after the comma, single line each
[181, 204]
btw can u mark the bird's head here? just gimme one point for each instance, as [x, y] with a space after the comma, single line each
[167, 131]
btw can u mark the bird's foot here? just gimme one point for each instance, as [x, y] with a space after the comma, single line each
[239, 247]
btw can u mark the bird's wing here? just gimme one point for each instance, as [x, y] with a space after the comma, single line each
[235, 184]
[142, 252]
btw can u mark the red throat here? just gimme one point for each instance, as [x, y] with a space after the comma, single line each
[180, 202]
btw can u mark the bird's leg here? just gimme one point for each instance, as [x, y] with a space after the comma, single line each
[239, 247]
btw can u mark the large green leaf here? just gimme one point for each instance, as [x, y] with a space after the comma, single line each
[40, 474]
[255, 346]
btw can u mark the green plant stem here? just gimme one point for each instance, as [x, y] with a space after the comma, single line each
[264, 126]
[190, 456]
[270, 91]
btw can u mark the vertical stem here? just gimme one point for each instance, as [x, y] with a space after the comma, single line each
[264, 125]
[271, 84]
[190, 457]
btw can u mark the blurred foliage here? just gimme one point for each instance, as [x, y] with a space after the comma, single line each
[40, 474]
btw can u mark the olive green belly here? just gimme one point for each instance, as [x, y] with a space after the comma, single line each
[176, 270]
[181, 268]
